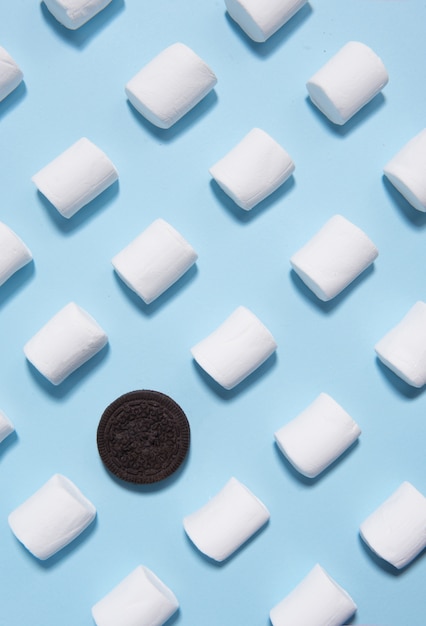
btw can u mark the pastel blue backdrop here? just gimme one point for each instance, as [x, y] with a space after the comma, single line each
[73, 87]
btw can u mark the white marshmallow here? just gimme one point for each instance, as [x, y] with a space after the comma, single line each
[14, 254]
[74, 13]
[10, 74]
[69, 339]
[155, 260]
[253, 169]
[260, 20]
[407, 171]
[140, 599]
[235, 349]
[334, 257]
[403, 349]
[317, 600]
[396, 531]
[52, 517]
[347, 82]
[317, 436]
[170, 85]
[6, 426]
[76, 177]
[227, 521]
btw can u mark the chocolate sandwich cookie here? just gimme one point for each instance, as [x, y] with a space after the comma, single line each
[143, 436]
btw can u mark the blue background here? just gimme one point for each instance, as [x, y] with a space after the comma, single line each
[73, 87]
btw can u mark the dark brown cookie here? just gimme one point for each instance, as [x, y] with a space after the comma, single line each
[143, 436]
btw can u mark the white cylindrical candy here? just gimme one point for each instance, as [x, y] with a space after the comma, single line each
[10, 74]
[14, 254]
[76, 177]
[140, 599]
[396, 531]
[317, 600]
[52, 517]
[253, 169]
[317, 436]
[74, 13]
[407, 171]
[170, 85]
[227, 521]
[69, 339]
[347, 82]
[334, 257]
[235, 349]
[260, 20]
[155, 260]
[403, 349]
[6, 426]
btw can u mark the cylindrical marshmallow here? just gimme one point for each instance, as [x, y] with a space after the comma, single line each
[140, 599]
[235, 349]
[317, 436]
[170, 85]
[76, 177]
[253, 169]
[69, 339]
[74, 13]
[155, 260]
[396, 531]
[403, 349]
[407, 171]
[334, 257]
[347, 82]
[52, 517]
[317, 600]
[227, 521]
[6, 426]
[14, 254]
[10, 74]
[260, 20]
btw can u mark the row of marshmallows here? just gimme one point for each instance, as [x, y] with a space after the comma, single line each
[58, 512]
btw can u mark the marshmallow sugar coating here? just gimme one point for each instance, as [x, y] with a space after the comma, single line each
[347, 82]
[6, 426]
[10, 74]
[52, 517]
[170, 85]
[396, 530]
[260, 20]
[253, 169]
[235, 349]
[76, 177]
[316, 601]
[334, 257]
[317, 436]
[140, 599]
[155, 260]
[69, 339]
[14, 254]
[227, 521]
[407, 171]
[74, 13]
[403, 348]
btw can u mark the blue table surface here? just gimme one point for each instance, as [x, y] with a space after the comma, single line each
[73, 87]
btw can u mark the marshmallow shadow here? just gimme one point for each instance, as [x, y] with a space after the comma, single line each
[266, 48]
[162, 300]
[9, 442]
[240, 388]
[80, 37]
[167, 135]
[13, 99]
[381, 563]
[75, 222]
[367, 111]
[16, 282]
[399, 385]
[412, 216]
[328, 306]
[244, 216]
